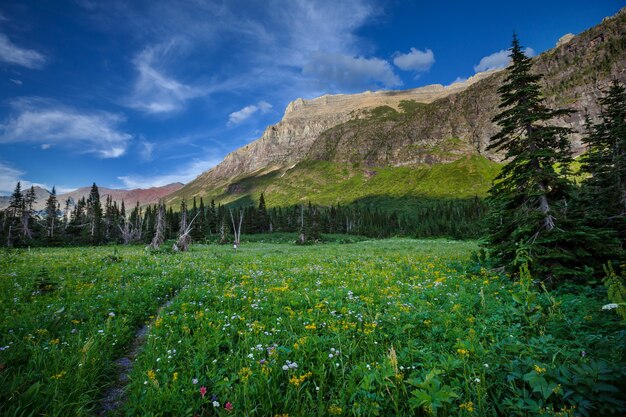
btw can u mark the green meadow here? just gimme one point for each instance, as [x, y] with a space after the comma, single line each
[396, 327]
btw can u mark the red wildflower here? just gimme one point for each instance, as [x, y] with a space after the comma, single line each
[228, 406]
[203, 391]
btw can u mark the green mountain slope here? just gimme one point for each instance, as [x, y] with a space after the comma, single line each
[327, 182]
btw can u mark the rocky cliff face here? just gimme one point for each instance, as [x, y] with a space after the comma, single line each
[443, 123]
[575, 74]
[288, 141]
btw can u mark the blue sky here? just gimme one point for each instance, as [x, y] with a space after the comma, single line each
[143, 93]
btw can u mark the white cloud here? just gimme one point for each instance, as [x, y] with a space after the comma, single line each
[239, 116]
[498, 60]
[415, 60]
[145, 150]
[9, 178]
[16, 82]
[292, 30]
[45, 146]
[184, 174]
[264, 106]
[155, 92]
[344, 72]
[458, 80]
[13, 54]
[49, 123]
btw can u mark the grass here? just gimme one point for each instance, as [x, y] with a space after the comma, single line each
[326, 183]
[393, 327]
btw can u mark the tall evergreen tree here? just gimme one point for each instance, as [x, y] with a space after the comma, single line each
[263, 221]
[603, 192]
[528, 200]
[52, 213]
[94, 215]
[13, 215]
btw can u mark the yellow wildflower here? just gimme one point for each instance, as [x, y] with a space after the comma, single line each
[463, 352]
[175, 376]
[334, 410]
[245, 373]
[539, 369]
[151, 375]
[369, 327]
[59, 375]
[311, 326]
[468, 406]
[297, 380]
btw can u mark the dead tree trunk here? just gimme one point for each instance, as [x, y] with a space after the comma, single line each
[184, 240]
[159, 235]
[236, 229]
[302, 236]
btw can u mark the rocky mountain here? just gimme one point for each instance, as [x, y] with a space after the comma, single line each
[130, 197]
[143, 196]
[41, 194]
[345, 144]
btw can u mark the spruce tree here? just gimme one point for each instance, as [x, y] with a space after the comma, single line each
[52, 213]
[94, 215]
[13, 215]
[262, 216]
[603, 192]
[528, 199]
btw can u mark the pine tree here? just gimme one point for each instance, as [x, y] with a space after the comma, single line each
[262, 217]
[14, 214]
[603, 192]
[528, 200]
[94, 215]
[52, 213]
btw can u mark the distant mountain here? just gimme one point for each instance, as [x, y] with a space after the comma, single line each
[429, 141]
[41, 194]
[130, 197]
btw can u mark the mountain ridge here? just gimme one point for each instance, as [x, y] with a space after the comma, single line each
[130, 197]
[440, 126]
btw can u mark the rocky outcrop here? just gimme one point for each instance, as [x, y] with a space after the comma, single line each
[289, 140]
[445, 122]
[575, 74]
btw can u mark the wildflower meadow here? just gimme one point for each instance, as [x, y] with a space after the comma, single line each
[396, 327]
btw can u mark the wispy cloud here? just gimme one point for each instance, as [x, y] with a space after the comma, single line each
[49, 123]
[154, 91]
[415, 60]
[13, 54]
[498, 60]
[9, 177]
[145, 150]
[310, 43]
[184, 174]
[239, 116]
[346, 73]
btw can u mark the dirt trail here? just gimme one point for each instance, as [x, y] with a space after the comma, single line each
[113, 398]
